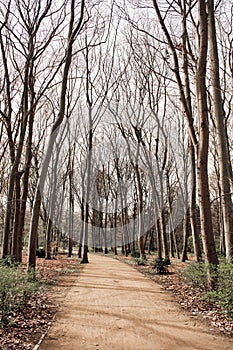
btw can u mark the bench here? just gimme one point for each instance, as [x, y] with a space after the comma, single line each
[161, 265]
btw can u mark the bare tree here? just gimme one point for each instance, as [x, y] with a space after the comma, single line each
[201, 145]
[74, 30]
[219, 113]
[24, 56]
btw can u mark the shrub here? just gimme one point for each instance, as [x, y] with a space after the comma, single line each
[8, 261]
[141, 261]
[195, 275]
[15, 289]
[135, 254]
[222, 297]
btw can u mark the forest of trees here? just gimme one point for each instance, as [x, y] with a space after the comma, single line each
[116, 127]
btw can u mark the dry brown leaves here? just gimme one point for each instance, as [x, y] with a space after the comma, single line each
[33, 321]
[190, 299]
[29, 325]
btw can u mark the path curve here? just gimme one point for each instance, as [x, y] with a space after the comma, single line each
[110, 306]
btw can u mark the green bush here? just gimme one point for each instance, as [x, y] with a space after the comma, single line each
[15, 289]
[195, 275]
[222, 297]
[141, 261]
[8, 261]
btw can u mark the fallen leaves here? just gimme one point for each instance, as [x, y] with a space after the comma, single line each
[27, 326]
[191, 300]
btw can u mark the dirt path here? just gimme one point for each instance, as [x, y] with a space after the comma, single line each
[112, 306]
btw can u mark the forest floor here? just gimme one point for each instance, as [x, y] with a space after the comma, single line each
[108, 304]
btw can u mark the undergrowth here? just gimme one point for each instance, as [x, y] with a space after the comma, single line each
[221, 296]
[16, 287]
[141, 261]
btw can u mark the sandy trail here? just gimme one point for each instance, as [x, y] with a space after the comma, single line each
[112, 306]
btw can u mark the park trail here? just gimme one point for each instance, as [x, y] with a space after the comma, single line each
[109, 305]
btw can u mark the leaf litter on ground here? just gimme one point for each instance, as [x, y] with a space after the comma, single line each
[26, 327]
[189, 298]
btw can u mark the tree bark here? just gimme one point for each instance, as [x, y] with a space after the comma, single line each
[193, 206]
[40, 185]
[16, 240]
[159, 241]
[202, 157]
[222, 144]
[140, 212]
[184, 255]
[87, 192]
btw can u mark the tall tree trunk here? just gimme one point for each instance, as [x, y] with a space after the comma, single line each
[48, 239]
[164, 234]
[193, 206]
[15, 240]
[82, 223]
[10, 196]
[87, 192]
[171, 244]
[115, 225]
[184, 255]
[70, 247]
[23, 203]
[222, 247]
[176, 245]
[71, 203]
[159, 241]
[40, 185]
[52, 204]
[221, 135]
[202, 156]
[140, 212]
[201, 147]
[196, 240]
[14, 172]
